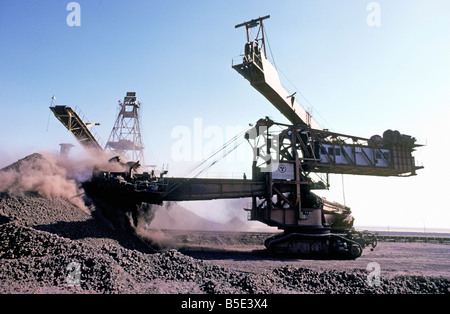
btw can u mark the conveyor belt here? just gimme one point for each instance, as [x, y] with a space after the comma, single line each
[73, 122]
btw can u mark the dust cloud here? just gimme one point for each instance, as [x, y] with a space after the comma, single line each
[51, 176]
[156, 237]
[57, 176]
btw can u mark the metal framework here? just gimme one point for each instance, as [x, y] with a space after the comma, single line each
[286, 160]
[125, 137]
[74, 123]
[260, 36]
[301, 151]
[263, 76]
[287, 196]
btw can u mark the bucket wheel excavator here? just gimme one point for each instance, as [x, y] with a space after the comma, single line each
[287, 160]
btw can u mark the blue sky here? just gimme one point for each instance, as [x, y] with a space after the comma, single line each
[176, 55]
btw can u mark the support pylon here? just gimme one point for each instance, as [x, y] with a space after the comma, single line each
[125, 137]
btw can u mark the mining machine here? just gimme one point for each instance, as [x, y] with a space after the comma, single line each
[311, 224]
[290, 161]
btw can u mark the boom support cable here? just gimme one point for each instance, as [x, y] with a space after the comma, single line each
[224, 146]
[218, 158]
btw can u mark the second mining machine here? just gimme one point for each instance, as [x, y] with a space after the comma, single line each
[289, 158]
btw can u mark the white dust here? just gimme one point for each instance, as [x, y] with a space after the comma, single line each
[50, 176]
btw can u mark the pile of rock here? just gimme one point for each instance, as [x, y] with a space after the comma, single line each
[38, 261]
[49, 245]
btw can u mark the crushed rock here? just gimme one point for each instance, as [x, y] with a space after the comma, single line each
[35, 261]
[42, 237]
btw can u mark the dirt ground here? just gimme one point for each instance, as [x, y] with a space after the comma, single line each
[245, 252]
[48, 244]
[395, 259]
[36, 258]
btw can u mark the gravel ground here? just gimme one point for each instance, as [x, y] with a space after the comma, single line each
[35, 261]
[50, 245]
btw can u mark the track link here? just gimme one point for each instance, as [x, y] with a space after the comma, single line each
[323, 246]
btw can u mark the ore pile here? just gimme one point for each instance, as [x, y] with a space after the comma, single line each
[43, 239]
[34, 261]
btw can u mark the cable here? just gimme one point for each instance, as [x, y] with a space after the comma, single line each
[295, 87]
[177, 185]
[270, 49]
[309, 103]
[219, 159]
[224, 146]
